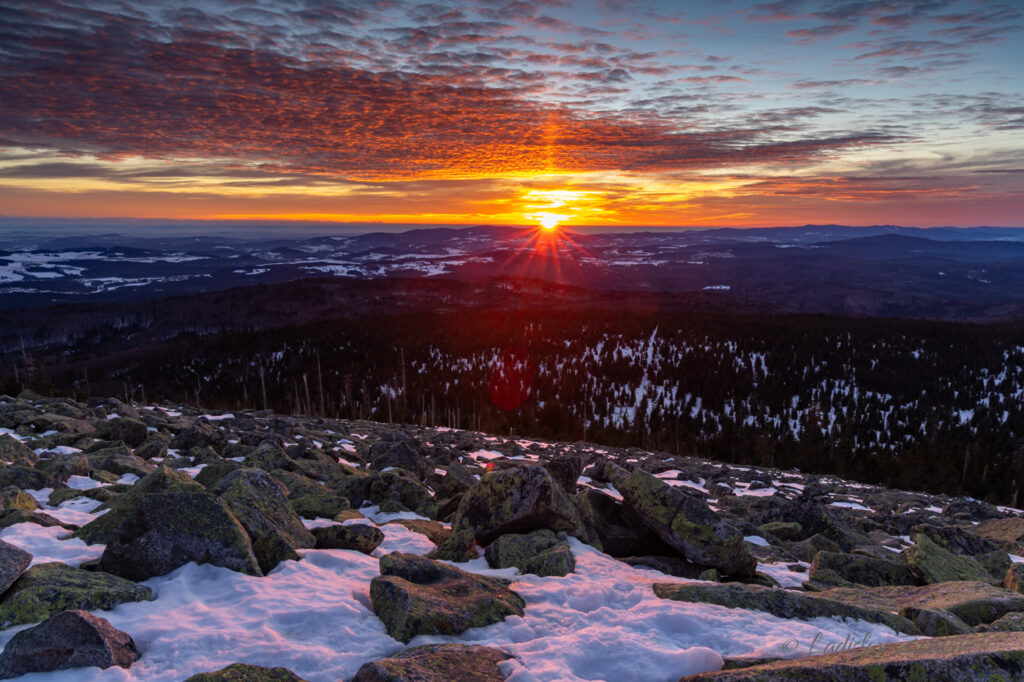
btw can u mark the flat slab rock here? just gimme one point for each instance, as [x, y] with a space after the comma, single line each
[71, 639]
[47, 589]
[964, 658]
[436, 663]
[780, 602]
[974, 603]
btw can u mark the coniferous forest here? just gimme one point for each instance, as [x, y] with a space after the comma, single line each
[919, 405]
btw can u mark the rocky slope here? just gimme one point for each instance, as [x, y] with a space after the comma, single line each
[170, 542]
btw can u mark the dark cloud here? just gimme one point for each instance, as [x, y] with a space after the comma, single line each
[810, 35]
[116, 85]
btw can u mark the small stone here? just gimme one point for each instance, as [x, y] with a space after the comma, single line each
[784, 530]
[243, 672]
[436, 663]
[360, 537]
[831, 568]
[542, 552]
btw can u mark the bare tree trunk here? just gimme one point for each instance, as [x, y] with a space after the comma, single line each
[263, 386]
[320, 384]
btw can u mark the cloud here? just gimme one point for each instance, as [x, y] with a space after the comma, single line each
[810, 35]
[119, 87]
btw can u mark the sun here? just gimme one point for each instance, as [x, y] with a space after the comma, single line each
[549, 221]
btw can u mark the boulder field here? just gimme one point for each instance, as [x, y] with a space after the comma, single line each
[252, 491]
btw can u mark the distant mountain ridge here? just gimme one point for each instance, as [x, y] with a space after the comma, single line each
[950, 273]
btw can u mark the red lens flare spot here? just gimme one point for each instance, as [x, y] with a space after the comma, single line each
[511, 378]
[489, 467]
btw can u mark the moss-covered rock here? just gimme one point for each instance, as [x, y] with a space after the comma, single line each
[618, 530]
[199, 434]
[51, 421]
[319, 504]
[118, 461]
[61, 467]
[131, 431]
[163, 480]
[1014, 578]
[972, 602]
[402, 454]
[15, 498]
[935, 622]
[779, 602]
[360, 537]
[212, 473]
[47, 589]
[163, 531]
[933, 564]
[784, 530]
[436, 663]
[816, 517]
[26, 478]
[258, 501]
[516, 500]
[1011, 622]
[10, 517]
[414, 596]
[990, 657]
[831, 568]
[390, 486]
[296, 483]
[268, 456]
[566, 470]
[686, 523]
[155, 445]
[434, 530]
[807, 549]
[542, 552]
[955, 539]
[1008, 532]
[70, 639]
[14, 451]
[460, 546]
[996, 563]
[13, 562]
[243, 672]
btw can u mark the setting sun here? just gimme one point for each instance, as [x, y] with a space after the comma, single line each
[549, 221]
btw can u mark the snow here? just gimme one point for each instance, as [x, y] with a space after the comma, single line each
[850, 505]
[78, 511]
[783, 575]
[760, 492]
[757, 540]
[45, 545]
[487, 455]
[82, 483]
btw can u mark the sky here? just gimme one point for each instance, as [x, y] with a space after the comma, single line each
[611, 112]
